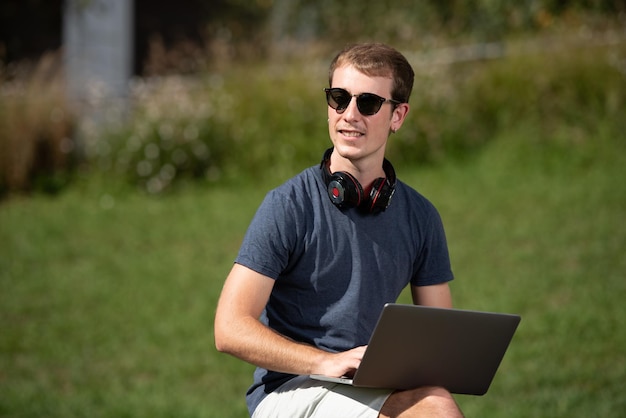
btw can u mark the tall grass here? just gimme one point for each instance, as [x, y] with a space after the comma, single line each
[265, 120]
[36, 129]
[245, 122]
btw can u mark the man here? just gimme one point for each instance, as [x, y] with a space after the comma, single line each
[325, 252]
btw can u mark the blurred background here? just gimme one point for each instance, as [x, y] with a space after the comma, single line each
[138, 137]
[179, 79]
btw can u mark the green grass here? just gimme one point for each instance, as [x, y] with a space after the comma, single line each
[539, 230]
[107, 296]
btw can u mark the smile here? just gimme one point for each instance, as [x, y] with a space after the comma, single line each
[350, 133]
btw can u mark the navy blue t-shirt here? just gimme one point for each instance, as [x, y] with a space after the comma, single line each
[335, 268]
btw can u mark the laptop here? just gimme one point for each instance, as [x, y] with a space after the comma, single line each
[415, 346]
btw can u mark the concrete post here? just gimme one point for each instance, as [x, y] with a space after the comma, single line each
[98, 52]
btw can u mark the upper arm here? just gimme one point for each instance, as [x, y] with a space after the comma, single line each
[244, 295]
[437, 295]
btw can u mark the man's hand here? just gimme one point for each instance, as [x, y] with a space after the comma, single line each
[340, 364]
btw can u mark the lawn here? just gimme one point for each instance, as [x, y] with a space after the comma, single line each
[107, 296]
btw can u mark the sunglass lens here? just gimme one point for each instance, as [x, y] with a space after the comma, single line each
[338, 99]
[369, 104]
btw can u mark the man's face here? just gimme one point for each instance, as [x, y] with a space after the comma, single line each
[356, 136]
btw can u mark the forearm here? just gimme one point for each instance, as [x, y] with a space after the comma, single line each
[250, 340]
[239, 332]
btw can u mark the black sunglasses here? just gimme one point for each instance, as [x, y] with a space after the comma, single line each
[367, 103]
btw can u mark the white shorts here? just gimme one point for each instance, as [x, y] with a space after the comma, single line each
[305, 397]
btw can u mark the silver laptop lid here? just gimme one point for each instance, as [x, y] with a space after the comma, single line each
[415, 346]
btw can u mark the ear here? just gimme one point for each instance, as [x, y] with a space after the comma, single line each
[398, 116]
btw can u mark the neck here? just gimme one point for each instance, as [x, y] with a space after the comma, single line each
[364, 170]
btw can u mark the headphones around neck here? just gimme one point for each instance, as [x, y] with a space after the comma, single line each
[345, 191]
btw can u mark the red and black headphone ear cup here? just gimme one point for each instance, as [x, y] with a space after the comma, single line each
[380, 196]
[382, 190]
[344, 190]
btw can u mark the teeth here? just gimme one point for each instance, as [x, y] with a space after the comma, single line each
[351, 133]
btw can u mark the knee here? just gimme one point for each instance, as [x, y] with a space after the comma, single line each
[431, 401]
[433, 395]
[433, 391]
[435, 401]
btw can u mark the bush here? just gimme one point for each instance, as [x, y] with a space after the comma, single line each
[561, 95]
[264, 120]
[254, 121]
[176, 132]
[36, 126]
[238, 125]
